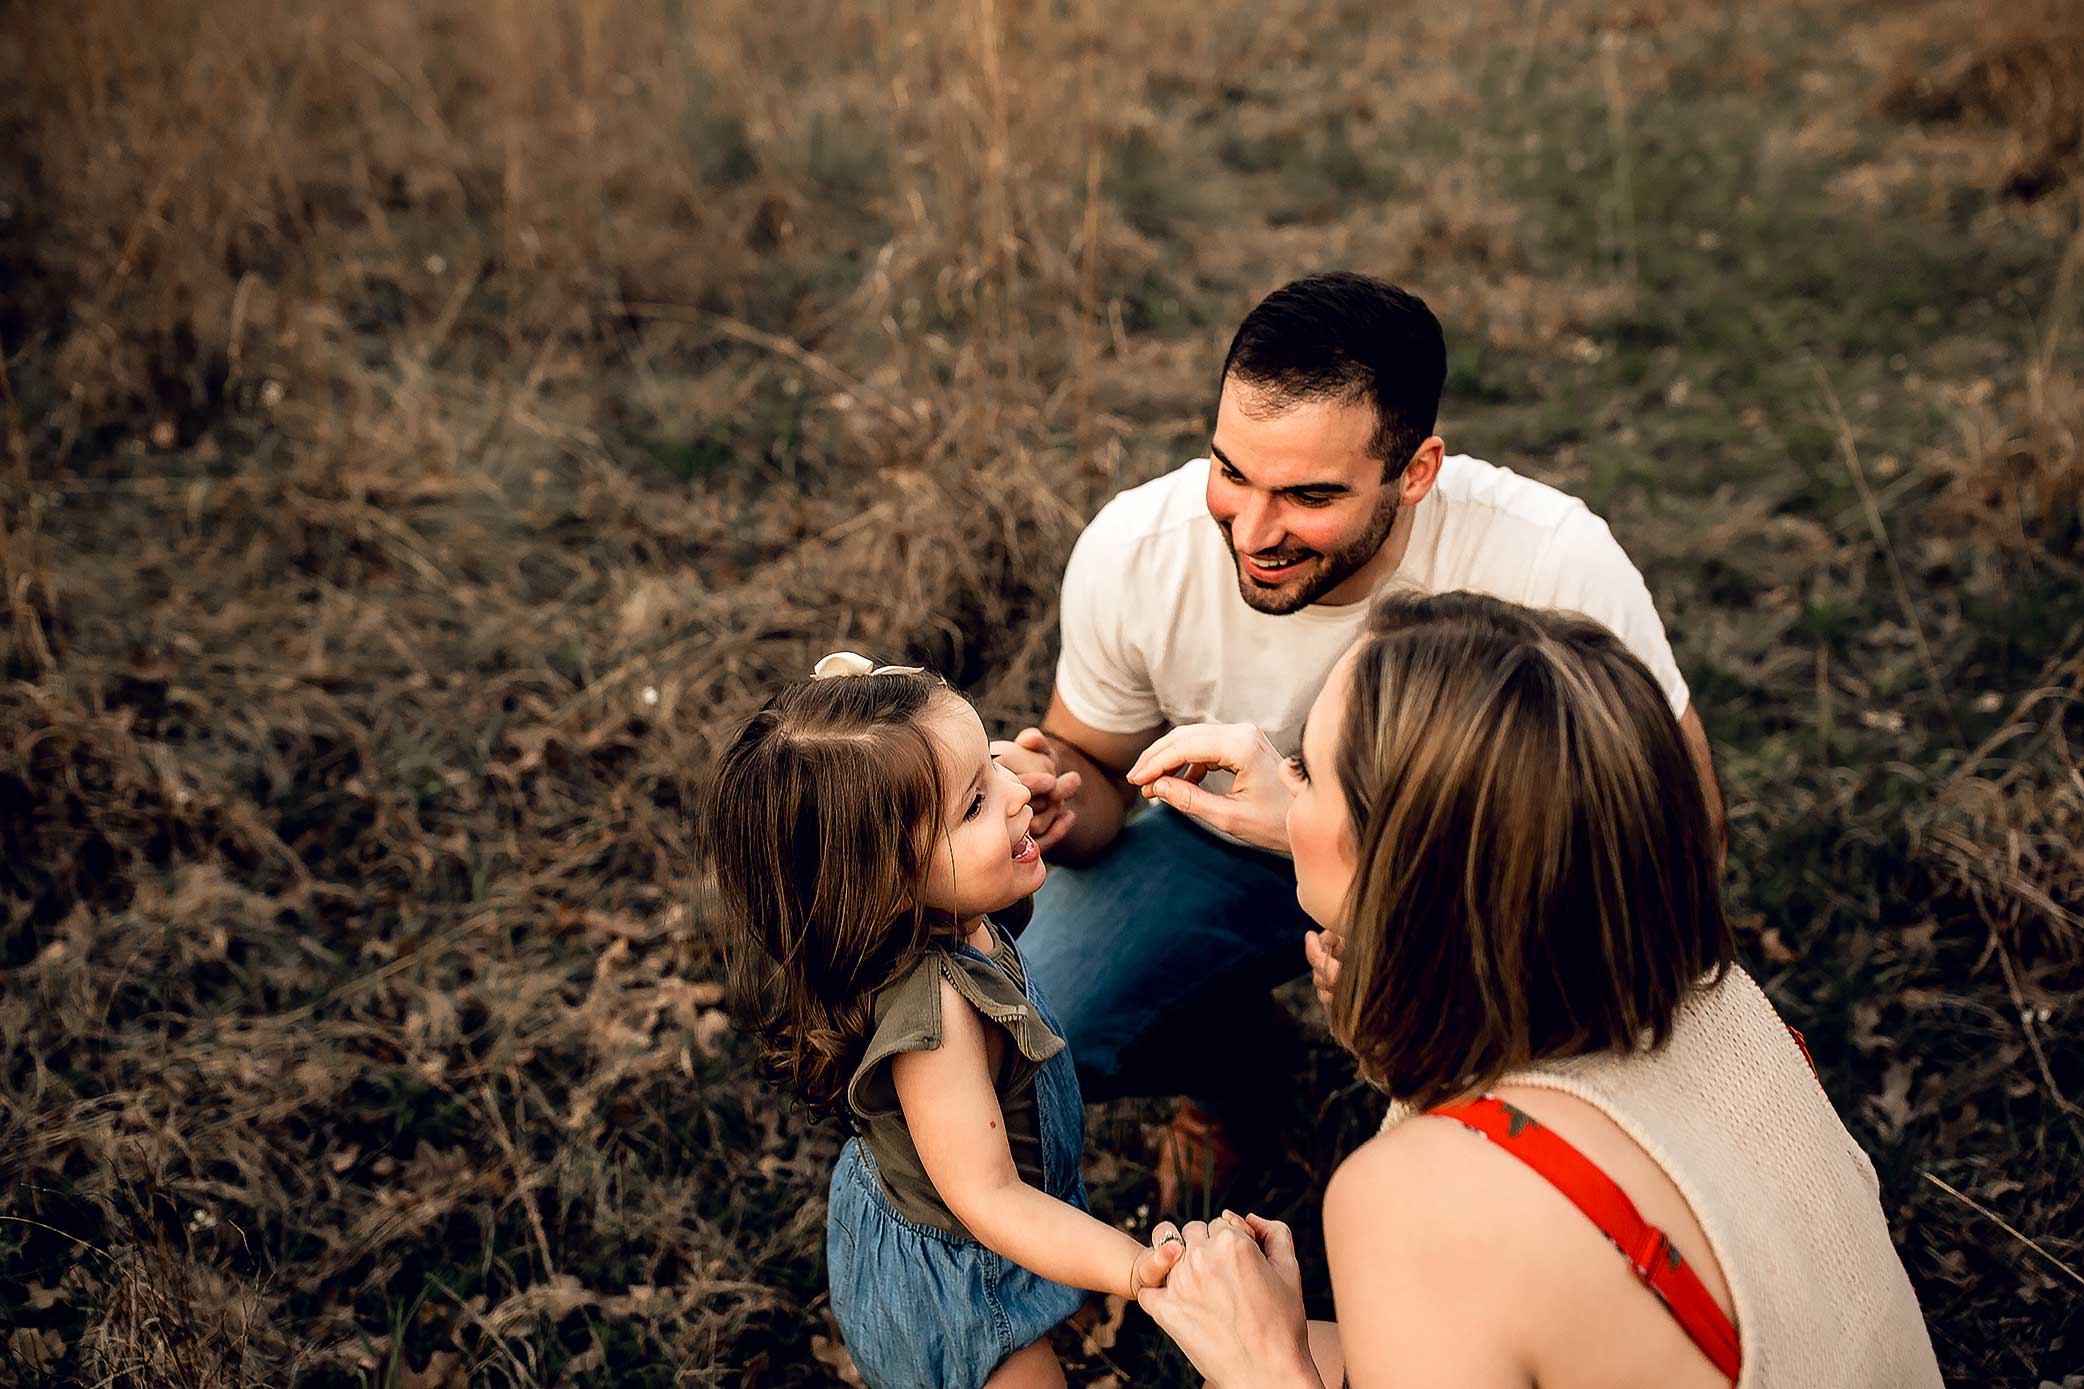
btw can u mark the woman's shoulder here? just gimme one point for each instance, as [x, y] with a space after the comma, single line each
[1415, 1233]
[1404, 1173]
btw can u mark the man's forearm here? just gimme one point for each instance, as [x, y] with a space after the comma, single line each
[1101, 803]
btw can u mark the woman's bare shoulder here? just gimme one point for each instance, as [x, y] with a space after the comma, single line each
[1406, 1169]
[1412, 1232]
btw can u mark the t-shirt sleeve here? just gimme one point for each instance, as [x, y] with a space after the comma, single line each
[1593, 575]
[1100, 675]
[908, 1018]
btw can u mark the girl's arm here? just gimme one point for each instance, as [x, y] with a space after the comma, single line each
[955, 1122]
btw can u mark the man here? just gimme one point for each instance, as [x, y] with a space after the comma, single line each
[1222, 593]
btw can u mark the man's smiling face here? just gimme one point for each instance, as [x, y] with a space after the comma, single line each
[1300, 499]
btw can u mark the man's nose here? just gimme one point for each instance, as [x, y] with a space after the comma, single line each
[1255, 528]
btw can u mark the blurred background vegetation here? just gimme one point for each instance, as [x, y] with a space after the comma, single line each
[427, 425]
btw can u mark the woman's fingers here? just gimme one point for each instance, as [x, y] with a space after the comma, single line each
[1189, 799]
[1321, 949]
[1273, 1236]
[1226, 745]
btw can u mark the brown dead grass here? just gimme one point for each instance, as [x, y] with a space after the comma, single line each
[429, 425]
[2017, 65]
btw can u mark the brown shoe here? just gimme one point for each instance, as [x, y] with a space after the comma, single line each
[1195, 1158]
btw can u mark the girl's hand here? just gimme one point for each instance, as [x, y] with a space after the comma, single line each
[1234, 1302]
[1152, 1265]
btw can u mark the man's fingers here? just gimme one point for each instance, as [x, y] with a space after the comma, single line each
[1067, 784]
[1334, 944]
[1032, 740]
[1041, 785]
[1059, 826]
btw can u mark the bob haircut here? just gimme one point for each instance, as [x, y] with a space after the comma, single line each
[816, 825]
[1536, 877]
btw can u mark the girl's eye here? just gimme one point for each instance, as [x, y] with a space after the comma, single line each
[1297, 769]
[976, 805]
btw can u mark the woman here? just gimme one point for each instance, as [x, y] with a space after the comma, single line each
[1495, 807]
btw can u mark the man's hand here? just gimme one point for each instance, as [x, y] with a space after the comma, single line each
[1324, 949]
[1029, 757]
[1254, 809]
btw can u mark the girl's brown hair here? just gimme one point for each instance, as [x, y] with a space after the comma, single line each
[1536, 874]
[811, 825]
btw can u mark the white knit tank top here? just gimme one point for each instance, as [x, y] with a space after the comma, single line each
[1790, 1204]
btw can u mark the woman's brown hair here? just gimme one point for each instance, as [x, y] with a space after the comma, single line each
[1536, 873]
[811, 825]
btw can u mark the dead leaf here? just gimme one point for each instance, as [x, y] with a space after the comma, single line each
[444, 1371]
[833, 1356]
[40, 1350]
[710, 1027]
[1099, 1321]
[1891, 1107]
[41, 1298]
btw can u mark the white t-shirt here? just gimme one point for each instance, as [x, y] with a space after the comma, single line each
[1155, 632]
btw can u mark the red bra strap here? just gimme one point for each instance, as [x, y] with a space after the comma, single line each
[1653, 1256]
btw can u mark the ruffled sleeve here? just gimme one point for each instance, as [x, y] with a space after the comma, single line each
[908, 1018]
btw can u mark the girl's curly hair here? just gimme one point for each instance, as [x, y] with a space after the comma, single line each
[811, 825]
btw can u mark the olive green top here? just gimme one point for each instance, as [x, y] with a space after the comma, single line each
[908, 1018]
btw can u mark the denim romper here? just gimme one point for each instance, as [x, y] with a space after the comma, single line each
[921, 1308]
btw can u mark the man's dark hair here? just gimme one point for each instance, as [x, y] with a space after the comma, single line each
[1347, 337]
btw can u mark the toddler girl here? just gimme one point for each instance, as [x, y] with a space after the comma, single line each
[862, 840]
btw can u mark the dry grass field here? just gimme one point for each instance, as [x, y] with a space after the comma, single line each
[427, 425]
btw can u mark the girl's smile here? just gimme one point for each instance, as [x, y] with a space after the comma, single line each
[984, 859]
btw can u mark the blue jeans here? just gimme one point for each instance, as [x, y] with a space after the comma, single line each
[1159, 955]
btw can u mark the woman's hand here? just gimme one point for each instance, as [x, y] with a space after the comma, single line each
[1254, 809]
[1323, 949]
[1234, 1302]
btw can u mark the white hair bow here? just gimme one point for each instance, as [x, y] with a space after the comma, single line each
[854, 663]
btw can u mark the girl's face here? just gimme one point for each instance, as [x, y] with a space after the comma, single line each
[1320, 830]
[983, 857]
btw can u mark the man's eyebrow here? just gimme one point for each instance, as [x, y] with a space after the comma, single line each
[1329, 489]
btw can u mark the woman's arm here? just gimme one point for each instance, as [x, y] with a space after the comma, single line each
[1424, 1294]
[955, 1122]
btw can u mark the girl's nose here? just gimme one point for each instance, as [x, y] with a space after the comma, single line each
[1019, 798]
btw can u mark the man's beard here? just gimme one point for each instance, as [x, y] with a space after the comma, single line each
[1319, 573]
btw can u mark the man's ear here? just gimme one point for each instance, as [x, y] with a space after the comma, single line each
[1422, 471]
